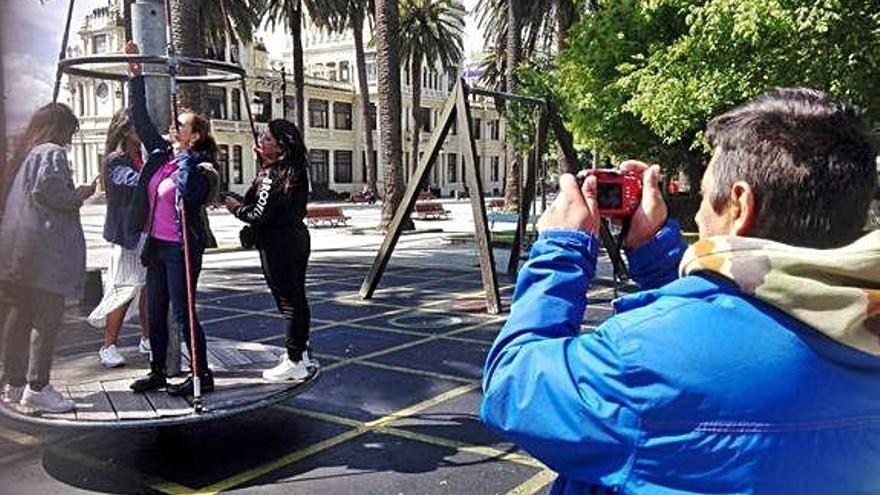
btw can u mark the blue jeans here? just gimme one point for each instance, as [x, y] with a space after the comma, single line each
[166, 283]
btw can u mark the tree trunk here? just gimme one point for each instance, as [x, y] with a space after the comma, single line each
[186, 33]
[299, 80]
[416, 67]
[514, 33]
[360, 59]
[388, 65]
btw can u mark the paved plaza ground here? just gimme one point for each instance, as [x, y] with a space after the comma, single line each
[395, 410]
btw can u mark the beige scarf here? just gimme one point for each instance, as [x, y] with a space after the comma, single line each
[835, 291]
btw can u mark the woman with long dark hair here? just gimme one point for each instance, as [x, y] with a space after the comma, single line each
[275, 206]
[172, 192]
[42, 255]
[120, 173]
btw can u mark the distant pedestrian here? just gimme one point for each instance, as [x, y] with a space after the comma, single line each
[42, 255]
[275, 206]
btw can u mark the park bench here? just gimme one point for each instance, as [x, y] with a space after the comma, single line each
[495, 204]
[430, 210]
[426, 195]
[356, 197]
[328, 215]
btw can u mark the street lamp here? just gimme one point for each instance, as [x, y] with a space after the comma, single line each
[277, 65]
[256, 105]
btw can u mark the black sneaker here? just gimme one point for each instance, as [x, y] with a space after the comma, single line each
[153, 381]
[185, 388]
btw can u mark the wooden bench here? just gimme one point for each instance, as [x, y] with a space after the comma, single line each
[327, 215]
[495, 204]
[430, 210]
[426, 196]
[357, 197]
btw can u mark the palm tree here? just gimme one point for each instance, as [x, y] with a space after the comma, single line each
[520, 30]
[196, 24]
[387, 40]
[337, 16]
[430, 31]
[290, 13]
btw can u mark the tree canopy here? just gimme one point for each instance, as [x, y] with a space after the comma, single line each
[642, 78]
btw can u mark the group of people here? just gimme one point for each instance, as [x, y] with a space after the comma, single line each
[157, 190]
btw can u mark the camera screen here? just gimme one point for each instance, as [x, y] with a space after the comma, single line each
[610, 196]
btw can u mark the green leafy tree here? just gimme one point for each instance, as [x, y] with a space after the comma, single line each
[643, 77]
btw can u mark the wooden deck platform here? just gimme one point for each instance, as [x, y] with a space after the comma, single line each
[103, 398]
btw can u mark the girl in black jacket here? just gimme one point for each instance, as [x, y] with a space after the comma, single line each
[275, 206]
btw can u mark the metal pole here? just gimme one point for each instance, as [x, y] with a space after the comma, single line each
[63, 54]
[148, 31]
[284, 93]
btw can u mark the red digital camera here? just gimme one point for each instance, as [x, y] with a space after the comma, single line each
[618, 193]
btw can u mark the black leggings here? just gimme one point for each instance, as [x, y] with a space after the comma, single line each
[284, 257]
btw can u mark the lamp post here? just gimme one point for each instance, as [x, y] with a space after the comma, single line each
[256, 105]
[277, 65]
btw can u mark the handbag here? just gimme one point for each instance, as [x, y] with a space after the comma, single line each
[247, 237]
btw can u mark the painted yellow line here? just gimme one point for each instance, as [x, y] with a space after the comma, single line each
[480, 450]
[19, 438]
[421, 406]
[534, 484]
[152, 482]
[279, 463]
[298, 455]
[412, 371]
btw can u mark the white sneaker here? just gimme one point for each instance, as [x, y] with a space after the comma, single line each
[287, 370]
[144, 345]
[12, 394]
[46, 400]
[110, 357]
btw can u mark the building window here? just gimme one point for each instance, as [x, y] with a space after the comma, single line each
[342, 116]
[342, 166]
[290, 107]
[223, 165]
[373, 117]
[425, 119]
[453, 128]
[236, 104]
[494, 130]
[451, 81]
[318, 117]
[495, 165]
[452, 168]
[99, 43]
[320, 168]
[331, 71]
[81, 99]
[478, 126]
[237, 171]
[370, 68]
[344, 72]
[265, 98]
[102, 91]
[216, 102]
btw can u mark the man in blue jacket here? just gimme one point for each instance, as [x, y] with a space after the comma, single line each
[750, 363]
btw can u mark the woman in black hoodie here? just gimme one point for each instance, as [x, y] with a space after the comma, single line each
[275, 206]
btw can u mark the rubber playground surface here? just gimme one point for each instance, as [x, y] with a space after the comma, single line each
[395, 410]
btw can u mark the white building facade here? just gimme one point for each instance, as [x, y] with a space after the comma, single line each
[334, 124]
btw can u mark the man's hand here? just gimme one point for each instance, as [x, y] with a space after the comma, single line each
[574, 208]
[652, 212]
[135, 68]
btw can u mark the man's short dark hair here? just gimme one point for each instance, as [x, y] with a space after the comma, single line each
[809, 159]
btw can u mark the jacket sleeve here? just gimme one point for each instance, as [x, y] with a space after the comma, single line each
[656, 263]
[192, 186]
[557, 393]
[267, 204]
[54, 187]
[121, 173]
[143, 126]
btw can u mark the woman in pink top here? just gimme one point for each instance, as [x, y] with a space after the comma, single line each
[175, 183]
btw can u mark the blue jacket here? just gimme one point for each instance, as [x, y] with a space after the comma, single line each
[692, 387]
[120, 180]
[192, 185]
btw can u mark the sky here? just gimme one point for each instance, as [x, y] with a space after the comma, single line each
[32, 39]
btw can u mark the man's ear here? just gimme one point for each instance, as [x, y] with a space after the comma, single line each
[743, 208]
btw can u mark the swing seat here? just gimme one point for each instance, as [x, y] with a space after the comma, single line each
[103, 399]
